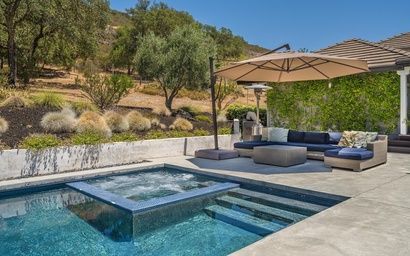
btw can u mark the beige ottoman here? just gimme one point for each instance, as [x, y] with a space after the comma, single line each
[279, 155]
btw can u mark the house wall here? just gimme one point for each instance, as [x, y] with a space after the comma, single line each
[27, 163]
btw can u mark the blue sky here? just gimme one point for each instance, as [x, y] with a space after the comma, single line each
[310, 24]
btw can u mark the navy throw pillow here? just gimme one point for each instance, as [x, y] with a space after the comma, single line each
[317, 137]
[296, 136]
[334, 137]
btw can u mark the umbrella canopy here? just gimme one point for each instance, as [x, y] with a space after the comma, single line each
[292, 66]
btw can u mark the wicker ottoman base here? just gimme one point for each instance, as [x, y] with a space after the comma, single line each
[279, 155]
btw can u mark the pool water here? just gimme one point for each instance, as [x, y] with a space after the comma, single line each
[43, 224]
[65, 221]
[152, 184]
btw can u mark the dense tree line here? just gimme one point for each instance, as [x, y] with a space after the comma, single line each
[49, 32]
[161, 20]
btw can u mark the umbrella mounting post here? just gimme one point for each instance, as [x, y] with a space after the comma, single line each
[213, 99]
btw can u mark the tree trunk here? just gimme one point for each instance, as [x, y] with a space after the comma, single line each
[12, 59]
[168, 103]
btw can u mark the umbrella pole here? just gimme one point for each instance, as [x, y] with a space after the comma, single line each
[257, 106]
[214, 119]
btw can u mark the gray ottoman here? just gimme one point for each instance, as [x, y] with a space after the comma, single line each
[279, 155]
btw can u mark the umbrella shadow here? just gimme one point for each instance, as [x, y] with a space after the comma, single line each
[246, 165]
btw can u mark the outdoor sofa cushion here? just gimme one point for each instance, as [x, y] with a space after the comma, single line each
[313, 147]
[334, 137]
[296, 136]
[350, 153]
[310, 147]
[355, 139]
[252, 144]
[316, 137]
[278, 134]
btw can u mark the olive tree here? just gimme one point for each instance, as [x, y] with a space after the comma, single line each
[175, 62]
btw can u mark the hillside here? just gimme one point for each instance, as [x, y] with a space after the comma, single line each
[119, 19]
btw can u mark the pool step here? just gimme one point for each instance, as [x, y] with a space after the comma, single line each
[242, 220]
[259, 210]
[284, 203]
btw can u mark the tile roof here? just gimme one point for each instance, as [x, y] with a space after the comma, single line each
[380, 57]
[400, 41]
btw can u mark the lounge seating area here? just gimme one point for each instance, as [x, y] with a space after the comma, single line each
[351, 150]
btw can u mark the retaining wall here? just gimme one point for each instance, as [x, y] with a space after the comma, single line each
[25, 163]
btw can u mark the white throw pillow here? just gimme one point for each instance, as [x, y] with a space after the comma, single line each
[278, 134]
[251, 116]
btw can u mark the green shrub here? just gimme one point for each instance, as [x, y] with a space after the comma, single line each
[49, 99]
[224, 130]
[203, 118]
[106, 91]
[4, 125]
[15, 102]
[40, 141]
[236, 111]
[194, 111]
[116, 122]
[122, 137]
[158, 134]
[82, 106]
[88, 138]
[182, 124]
[137, 122]
[91, 122]
[200, 132]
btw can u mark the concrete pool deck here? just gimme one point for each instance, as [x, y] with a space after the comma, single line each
[375, 221]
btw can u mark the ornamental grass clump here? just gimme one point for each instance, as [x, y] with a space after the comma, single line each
[4, 125]
[137, 122]
[117, 122]
[92, 122]
[182, 124]
[15, 102]
[49, 100]
[162, 111]
[63, 121]
[155, 122]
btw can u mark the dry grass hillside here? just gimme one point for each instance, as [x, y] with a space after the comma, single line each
[63, 82]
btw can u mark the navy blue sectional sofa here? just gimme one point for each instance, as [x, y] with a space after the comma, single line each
[316, 143]
[324, 146]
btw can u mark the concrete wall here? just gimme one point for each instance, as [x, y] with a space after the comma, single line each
[26, 163]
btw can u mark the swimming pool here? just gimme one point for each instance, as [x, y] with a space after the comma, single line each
[64, 221]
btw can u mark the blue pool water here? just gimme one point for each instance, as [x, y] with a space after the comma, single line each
[153, 184]
[65, 221]
[42, 224]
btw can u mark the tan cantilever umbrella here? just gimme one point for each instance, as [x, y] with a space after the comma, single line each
[282, 67]
[292, 66]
